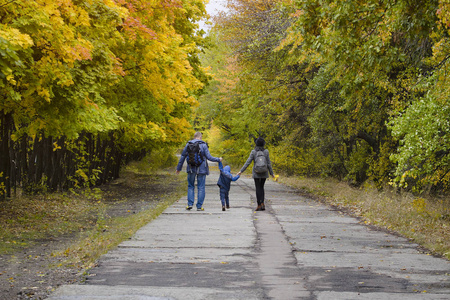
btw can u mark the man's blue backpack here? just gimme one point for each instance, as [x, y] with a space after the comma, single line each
[194, 155]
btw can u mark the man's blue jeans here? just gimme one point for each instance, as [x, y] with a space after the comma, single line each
[201, 178]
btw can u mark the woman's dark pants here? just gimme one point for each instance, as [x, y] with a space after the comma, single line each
[259, 184]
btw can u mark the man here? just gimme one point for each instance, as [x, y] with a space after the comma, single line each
[200, 170]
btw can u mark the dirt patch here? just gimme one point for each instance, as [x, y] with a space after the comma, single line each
[33, 273]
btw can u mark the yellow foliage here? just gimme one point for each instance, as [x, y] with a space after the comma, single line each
[82, 174]
[167, 73]
[419, 205]
[2, 185]
[214, 138]
[85, 61]
[178, 130]
[15, 37]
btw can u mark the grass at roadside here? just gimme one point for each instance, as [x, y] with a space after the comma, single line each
[108, 234]
[26, 220]
[88, 219]
[425, 220]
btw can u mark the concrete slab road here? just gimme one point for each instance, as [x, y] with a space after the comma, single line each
[296, 249]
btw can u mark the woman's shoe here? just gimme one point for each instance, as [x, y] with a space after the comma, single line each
[263, 207]
[258, 208]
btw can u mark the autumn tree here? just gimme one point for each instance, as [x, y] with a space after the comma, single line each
[86, 84]
[341, 87]
[256, 87]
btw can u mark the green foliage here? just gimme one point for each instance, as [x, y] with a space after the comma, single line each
[356, 164]
[349, 89]
[423, 154]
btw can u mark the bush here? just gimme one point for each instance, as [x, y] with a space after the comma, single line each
[155, 160]
[299, 161]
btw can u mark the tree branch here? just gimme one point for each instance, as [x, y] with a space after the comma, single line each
[7, 3]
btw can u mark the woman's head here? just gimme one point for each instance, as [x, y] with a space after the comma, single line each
[259, 142]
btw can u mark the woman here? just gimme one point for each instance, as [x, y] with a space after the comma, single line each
[259, 174]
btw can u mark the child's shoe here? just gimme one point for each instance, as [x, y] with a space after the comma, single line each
[223, 208]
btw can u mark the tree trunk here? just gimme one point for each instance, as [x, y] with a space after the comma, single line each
[5, 154]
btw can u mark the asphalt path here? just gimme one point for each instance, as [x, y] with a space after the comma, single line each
[296, 249]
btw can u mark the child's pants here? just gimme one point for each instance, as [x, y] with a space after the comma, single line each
[224, 197]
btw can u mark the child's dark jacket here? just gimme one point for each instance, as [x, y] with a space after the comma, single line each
[225, 177]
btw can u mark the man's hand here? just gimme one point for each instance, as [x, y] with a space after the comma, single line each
[220, 158]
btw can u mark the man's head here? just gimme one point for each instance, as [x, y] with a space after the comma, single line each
[198, 135]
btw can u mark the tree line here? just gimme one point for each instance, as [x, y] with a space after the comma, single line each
[89, 85]
[357, 90]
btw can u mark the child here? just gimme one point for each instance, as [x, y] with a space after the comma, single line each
[224, 184]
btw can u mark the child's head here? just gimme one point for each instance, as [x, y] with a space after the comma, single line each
[227, 168]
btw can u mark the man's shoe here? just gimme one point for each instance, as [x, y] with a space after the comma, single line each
[223, 208]
[263, 207]
[188, 207]
[200, 209]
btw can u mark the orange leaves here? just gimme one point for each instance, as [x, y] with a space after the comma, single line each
[297, 13]
[118, 66]
[89, 103]
[134, 27]
[82, 51]
[443, 12]
[161, 53]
